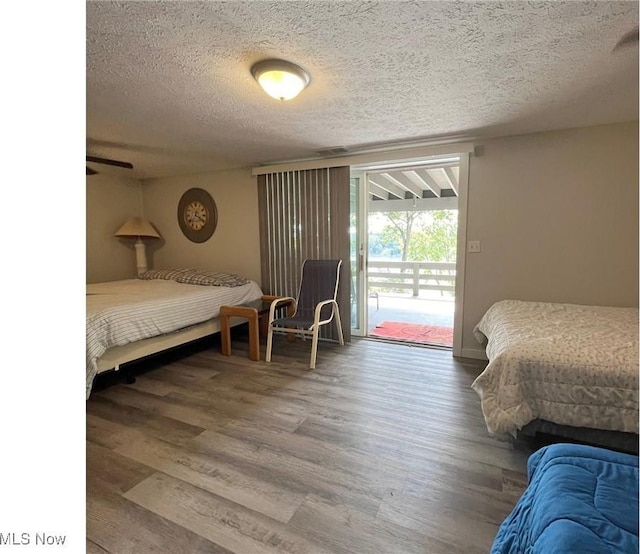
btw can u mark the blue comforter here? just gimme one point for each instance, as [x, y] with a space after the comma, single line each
[580, 499]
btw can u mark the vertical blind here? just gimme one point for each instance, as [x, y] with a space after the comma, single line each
[305, 215]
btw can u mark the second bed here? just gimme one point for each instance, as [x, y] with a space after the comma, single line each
[567, 364]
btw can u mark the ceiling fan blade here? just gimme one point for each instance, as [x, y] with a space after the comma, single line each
[628, 39]
[107, 161]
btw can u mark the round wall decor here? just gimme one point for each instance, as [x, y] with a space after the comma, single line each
[197, 215]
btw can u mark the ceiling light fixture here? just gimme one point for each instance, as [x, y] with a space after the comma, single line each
[280, 79]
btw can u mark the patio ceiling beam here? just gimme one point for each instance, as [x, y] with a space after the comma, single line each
[424, 180]
[451, 177]
[378, 192]
[405, 183]
[414, 167]
[414, 205]
[393, 179]
[390, 187]
[431, 182]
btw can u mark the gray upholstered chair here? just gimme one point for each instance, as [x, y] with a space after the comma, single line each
[315, 306]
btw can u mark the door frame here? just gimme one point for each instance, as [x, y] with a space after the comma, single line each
[362, 238]
[461, 253]
[362, 233]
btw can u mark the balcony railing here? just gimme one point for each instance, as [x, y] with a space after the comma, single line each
[383, 276]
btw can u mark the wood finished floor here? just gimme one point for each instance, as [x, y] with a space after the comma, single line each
[381, 449]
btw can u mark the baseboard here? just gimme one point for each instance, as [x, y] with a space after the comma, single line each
[474, 353]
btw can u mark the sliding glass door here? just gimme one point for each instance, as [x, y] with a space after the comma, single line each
[407, 249]
[358, 253]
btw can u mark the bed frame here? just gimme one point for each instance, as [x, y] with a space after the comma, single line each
[113, 358]
[547, 431]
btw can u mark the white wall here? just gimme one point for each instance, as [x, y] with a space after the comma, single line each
[235, 245]
[557, 217]
[110, 202]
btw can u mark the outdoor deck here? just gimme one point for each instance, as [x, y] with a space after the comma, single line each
[410, 309]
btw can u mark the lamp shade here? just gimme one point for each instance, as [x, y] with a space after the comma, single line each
[280, 79]
[137, 227]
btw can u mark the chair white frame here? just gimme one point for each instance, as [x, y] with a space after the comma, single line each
[317, 322]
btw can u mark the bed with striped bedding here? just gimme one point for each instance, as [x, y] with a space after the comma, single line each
[124, 312]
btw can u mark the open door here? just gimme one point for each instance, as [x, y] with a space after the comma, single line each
[405, 236]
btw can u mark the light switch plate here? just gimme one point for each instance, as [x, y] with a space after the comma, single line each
[473, 246]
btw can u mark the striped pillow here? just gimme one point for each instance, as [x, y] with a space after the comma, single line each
[212, 279]
[168, 274]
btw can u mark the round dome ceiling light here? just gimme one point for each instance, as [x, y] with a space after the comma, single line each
[280, 79]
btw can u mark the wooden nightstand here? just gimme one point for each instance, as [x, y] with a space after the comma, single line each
[257, 314]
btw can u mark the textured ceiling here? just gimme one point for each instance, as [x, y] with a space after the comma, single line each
[169, 87]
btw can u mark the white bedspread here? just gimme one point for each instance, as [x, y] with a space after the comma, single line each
[120, 312]
[568, 364]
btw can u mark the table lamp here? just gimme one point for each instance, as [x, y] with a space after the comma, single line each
[138, 227]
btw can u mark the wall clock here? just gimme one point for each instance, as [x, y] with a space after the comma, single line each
[197, 215]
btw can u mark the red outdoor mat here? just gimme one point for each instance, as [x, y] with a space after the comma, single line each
[414, 332]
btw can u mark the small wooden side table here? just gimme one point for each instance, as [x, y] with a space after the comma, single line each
[255, 313]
